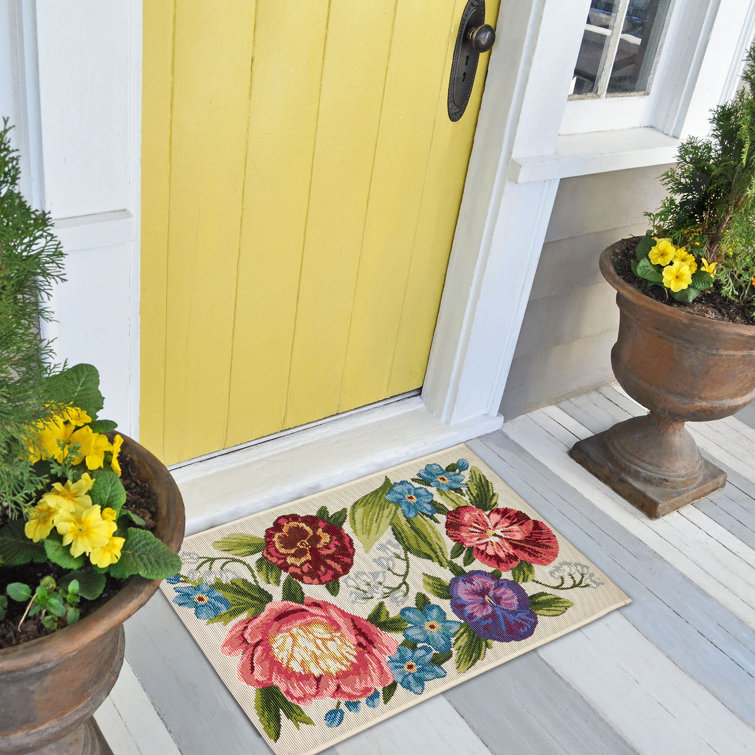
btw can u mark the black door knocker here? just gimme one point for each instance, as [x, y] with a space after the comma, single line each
[474, 37]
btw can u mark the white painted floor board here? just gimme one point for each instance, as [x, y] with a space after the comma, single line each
[672, 672]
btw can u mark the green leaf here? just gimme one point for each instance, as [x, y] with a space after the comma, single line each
[55, 606]
[91, 583]
[16, 549]
[647, 270]
[338, 519]
[103, 426]
[420, 537]
[644, 247]
[388, 692]
[333, 587]
[440, 658]
[702, 280]
[270, 702]
[410, 645]
[72, 615]
[451, 499]
[481, 493]
[439, 507]
[246, 599]
[468, 557]
[371, 515]
[436, 586]
[456, 570]
[546, 604]
[686, 295]
[240, 544]
[378, 614]
[135, 518]
[3, 606]
[457, 550]
[268, 711]
[145, 555]
[61, 555]
[79, 386]
[496, 573]
[323, 513]
[523, 572]
[108, 491]
[292, 590]
[421, 601]
[73, 587]
[19, 592]
[469, 648]
[49, 622]
[269, 573]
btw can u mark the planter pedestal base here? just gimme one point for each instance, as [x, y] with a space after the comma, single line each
[85, 739]
[652, 462]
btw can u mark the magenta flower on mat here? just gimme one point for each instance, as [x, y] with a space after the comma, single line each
[496, 609]
[503, 537]
[311, 651]
[309, 548]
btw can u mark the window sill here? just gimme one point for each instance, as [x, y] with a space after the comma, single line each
[596, 152]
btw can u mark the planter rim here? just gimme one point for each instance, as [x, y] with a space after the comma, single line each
[663, 310]
[134, 594]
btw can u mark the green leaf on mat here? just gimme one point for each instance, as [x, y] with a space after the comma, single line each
[371, 515]
[523, 572]
[246, 599]
[420, 537]
[546, 604]
[436, 586]
[292, 590]
[269, 573]
[388, 692]
[481, 493]
[469, 648]
[240, 544]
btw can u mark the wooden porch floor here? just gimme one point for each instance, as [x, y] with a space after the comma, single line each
[674, 672]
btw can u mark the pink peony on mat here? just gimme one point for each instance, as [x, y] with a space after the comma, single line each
[329, 614]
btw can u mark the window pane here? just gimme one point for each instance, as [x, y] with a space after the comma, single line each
[601, 19]
[638, 44]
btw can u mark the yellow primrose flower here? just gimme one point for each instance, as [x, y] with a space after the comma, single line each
[45, 444]
[116, 447]
[709, 267]
[683, 256]
[109, 515]
[662, 253]
[677, 276]
[92, 446]
[69, 498]
[108, 553]
[40, 521]
[86, 530]
[77, 417]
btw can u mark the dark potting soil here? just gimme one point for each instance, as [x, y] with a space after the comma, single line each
[710, 304]
[140, 500]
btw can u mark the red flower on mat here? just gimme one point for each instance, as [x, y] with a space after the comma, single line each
[311, 651]
[309, 548]
[502, 537]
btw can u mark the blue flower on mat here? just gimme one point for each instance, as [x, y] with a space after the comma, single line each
[206, 601]
[352, 705]
[462, 465]
[174, 580]
[373, 700]
[412, 500]
[435, 475]
[430, 626]
[412, 668]
[334, 718]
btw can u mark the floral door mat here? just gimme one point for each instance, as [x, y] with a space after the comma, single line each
[329, 614]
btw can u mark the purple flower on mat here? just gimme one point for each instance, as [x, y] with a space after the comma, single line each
[495, 609]
[412, 500]
[435, 475]
[206, 601]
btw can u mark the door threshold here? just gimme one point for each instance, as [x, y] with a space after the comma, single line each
[223, 488]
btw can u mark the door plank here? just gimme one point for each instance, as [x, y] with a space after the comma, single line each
[213, 50]
[285, 80]
[356, 55]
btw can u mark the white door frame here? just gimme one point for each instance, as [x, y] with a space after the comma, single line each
[84, 137]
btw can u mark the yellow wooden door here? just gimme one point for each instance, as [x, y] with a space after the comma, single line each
[300, 187]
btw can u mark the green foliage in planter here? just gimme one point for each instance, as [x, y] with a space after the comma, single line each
[710, 207]
[31, 262]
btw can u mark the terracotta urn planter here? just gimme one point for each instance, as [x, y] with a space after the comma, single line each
[50, 687]
[682, 367]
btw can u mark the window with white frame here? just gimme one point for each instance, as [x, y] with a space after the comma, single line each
[619, 46]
